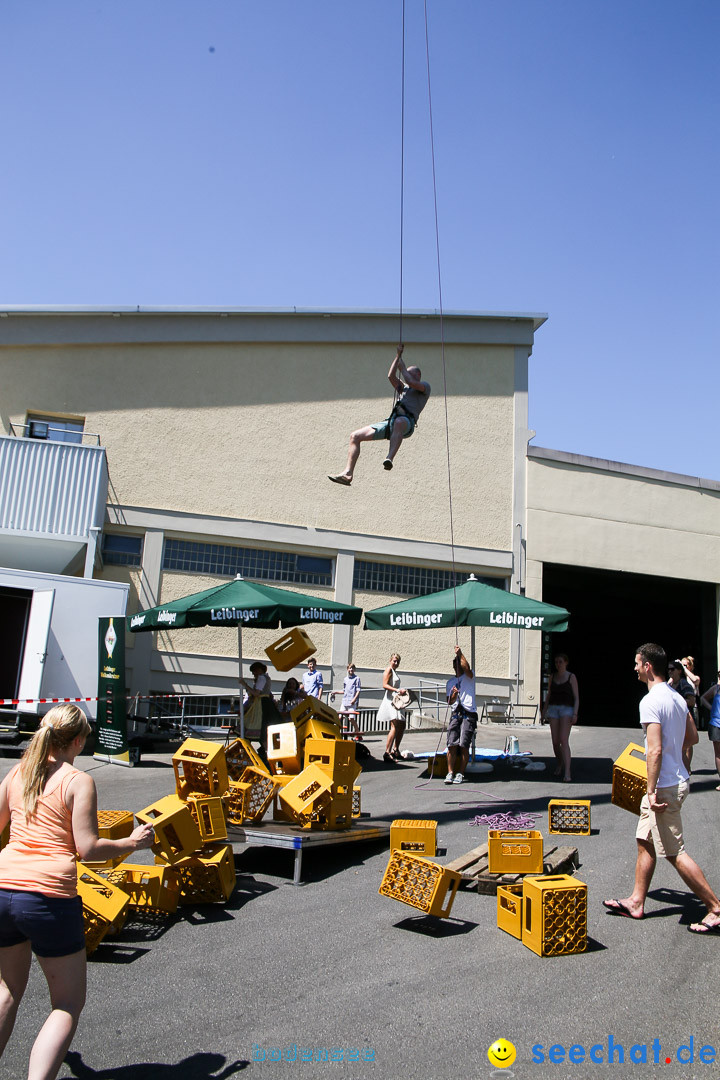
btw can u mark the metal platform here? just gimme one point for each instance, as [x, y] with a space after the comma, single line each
[292, 838]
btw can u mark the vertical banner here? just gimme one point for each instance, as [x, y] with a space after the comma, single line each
[112, 741]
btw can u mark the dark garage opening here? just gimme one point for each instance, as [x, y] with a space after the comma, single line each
[14, 614]
[611, 613]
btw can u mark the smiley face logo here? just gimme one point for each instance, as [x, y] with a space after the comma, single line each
[501, 1054]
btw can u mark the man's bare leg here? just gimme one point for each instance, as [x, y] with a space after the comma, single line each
[634, 905]
[400, 428]
[694, 878]
[356, 438]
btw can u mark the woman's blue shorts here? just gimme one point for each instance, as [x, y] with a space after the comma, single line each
[53, 925]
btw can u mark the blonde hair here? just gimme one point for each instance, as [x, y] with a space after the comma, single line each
[689, 661]
[395, 656]
[58, 729]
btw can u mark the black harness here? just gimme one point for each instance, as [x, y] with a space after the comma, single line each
[398, 410]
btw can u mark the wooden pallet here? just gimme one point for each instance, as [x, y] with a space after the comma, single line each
[473, 867]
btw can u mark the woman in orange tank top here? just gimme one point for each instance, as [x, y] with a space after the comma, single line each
[52, 811]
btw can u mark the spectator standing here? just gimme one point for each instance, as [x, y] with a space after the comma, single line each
[313, 680]
[387, 711]
[460, 693]
[52, 810]
[351, 696]
[711, 700]
[561, 710]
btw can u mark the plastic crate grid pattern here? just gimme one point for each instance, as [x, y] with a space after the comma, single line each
[569, 816]
[260, 795]
[555, 915]
[356, 800]
[422, 884]
[208, 878]
[114, 824]
[628, 790]
[239, 756]
[236, 801]
[629, 783]
[104, 906]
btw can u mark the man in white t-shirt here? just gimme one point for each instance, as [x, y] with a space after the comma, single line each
[460, 693]
[669, 733]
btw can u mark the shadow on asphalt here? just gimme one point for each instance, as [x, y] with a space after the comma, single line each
[196, 1067]
[431, 926]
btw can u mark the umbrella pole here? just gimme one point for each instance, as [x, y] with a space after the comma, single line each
[240, 676]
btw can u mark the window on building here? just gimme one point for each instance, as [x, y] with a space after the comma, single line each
[228, 561]
[54, 428]
[402, 580]
[119, 550]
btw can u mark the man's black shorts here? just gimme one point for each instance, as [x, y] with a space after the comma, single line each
[461, 728]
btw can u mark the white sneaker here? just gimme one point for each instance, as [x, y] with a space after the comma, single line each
[450, 778]
[458, 778]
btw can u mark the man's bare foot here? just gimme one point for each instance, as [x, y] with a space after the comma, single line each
[341, 478]
[626, 907]
[709, 925]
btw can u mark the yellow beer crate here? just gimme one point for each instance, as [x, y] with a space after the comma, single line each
[515, 851]
[290, 650]
[307, 793]
[176, 833]
[509, 909]
[200, 768]
[356, 801]
[629, 782]
[241, 755]
[207, 877]
[105, 907]
[554, 915]
[418, 836]
[150, 888]
[422, 884]
[282, 750]
[262, 788]
[336, 757]
[208, 813]
[569, 816]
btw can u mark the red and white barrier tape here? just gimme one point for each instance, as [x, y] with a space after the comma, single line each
[63, 700]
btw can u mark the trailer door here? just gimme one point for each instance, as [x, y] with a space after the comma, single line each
[36, 640]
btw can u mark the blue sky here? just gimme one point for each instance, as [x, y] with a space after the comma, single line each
[239, 153]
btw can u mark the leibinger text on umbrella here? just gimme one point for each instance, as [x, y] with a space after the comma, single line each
[411, 618]
[319, 614]
[230, 614]
[511, 618]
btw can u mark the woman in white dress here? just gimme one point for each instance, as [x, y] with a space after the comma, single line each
[387, 711]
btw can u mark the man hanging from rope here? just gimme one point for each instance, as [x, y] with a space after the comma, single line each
[412, 394]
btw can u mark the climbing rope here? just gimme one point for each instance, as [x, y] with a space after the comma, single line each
[442, 324]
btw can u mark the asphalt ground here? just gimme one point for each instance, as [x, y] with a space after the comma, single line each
[333, 967]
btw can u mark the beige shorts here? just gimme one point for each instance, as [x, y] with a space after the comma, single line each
[664, 830]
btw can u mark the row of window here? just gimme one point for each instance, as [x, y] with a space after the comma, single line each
[289, 567]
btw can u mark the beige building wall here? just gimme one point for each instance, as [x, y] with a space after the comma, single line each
[593, 513]
[223, 427]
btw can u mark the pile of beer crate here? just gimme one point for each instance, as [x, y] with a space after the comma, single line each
[310, 779]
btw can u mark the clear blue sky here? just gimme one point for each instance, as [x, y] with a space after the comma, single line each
[247, 153]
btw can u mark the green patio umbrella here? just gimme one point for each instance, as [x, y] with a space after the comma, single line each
[244, 603]
[469, 604]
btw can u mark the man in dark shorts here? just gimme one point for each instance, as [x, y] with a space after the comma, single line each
[460, 692]
[413, 394]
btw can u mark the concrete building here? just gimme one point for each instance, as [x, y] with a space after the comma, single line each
[218, 429]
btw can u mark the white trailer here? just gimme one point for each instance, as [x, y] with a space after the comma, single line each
[49, 640]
